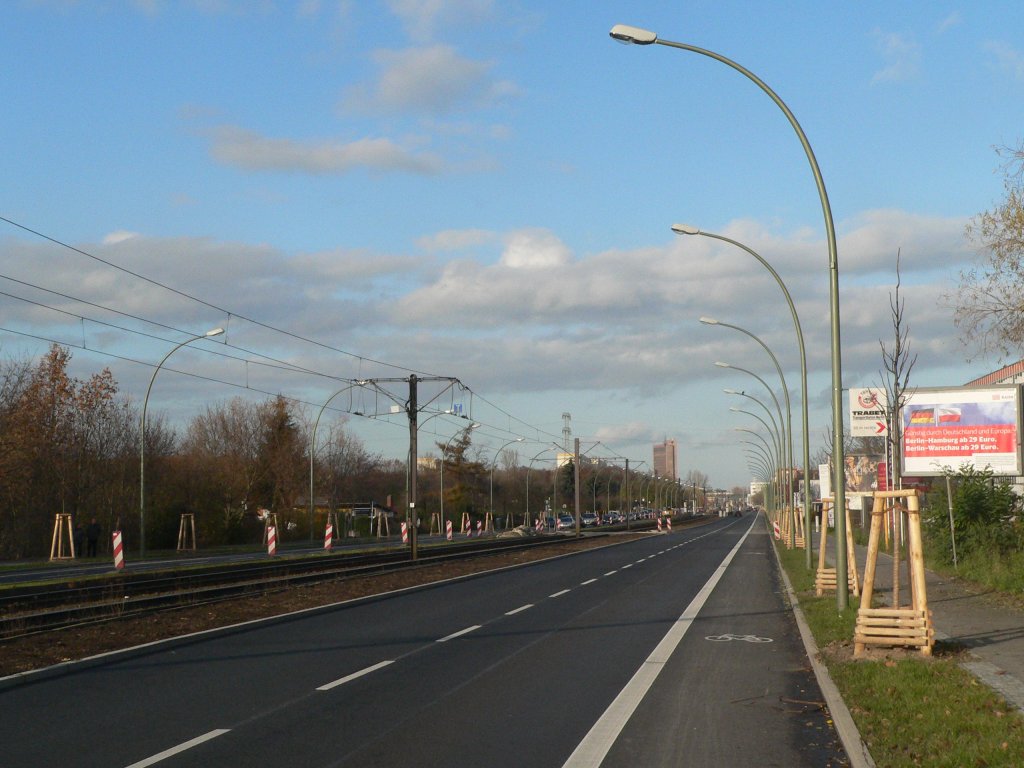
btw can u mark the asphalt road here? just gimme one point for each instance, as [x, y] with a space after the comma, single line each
[672, 650]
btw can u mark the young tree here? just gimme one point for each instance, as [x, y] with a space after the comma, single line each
[989, 303]
[898, 363]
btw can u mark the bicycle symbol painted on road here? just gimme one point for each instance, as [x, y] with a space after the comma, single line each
[744, 638]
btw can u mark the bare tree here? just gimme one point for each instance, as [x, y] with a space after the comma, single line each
[897, 363]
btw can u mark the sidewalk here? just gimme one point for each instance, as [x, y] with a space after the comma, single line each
[992, 631]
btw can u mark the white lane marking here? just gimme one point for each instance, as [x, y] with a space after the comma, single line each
[611, 572]
[640, 560]
[588, 581]
[514, 611]
[630, 565]
[355, 675]
[559, 594]
[180, 748]
[595, 745]
[460, 633]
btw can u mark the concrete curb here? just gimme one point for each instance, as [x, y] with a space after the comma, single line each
[854, 745]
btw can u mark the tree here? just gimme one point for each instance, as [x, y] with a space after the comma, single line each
[898, 364]
[989, 304]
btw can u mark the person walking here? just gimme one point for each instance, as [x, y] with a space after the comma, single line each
[92, 535]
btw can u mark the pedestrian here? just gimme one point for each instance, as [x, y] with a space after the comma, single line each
[79, 542]
[92, 534]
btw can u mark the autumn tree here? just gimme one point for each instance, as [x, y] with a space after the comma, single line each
[989, 302]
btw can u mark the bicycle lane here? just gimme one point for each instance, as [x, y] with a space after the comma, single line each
[739, 688]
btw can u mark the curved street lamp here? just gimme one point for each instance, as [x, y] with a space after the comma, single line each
[778, 406]
[312, 447]
[685, 229]
[628, 34]
[789, 416]
[142, 437]
[496, 454]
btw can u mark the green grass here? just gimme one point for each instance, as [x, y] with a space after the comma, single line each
[910, 710]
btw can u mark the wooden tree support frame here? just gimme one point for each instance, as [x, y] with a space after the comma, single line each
[435, 523]
[826, 579]
[59, 549]
[380, 521]
[489, 522]
[187, 533]
[897, 625]
[801, 538]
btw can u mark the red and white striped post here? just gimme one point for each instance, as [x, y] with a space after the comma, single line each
[479, 527]
[405, 533]
[118, 551]
[467, 526]
[659, 525]
[539, 525]
[329, 537]
[448, 530]
[271, 540]
[668, 522]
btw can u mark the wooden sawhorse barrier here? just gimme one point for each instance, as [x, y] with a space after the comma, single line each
[826, 580]
[898, 625]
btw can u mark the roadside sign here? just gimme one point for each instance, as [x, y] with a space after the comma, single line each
[867, 412]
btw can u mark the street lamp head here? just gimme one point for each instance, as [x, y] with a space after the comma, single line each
[685, 229]
[632, 35]
[214, 332]
[708, 320]
[733, 392]
[735, 410]
[720, 364]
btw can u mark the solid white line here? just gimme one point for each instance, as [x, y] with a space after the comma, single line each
[588, 581]
[180, 748]
[460, 633]
[355, 675]
[517, 610]
[559, 594]
[595, 745]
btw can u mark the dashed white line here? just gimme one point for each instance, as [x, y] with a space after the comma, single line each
[460, 633]
[355, 675]
[588, 581]
[180, 748]
[559, 594]
[611, 572]
[629, 565]
[514, 611]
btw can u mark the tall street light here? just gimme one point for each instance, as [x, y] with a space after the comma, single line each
[493, 463]
[789, 417]
[142, 437]
[686, 229]
[778, 407]
[312, 447]
[627, 34]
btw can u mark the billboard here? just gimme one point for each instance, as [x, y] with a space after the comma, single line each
[953, 427]
[867, 412]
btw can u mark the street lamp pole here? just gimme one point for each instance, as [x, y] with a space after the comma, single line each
[312, 448]
[789, 421]
[493, 463]
[684, 229]
[142, 437]
[629, 34]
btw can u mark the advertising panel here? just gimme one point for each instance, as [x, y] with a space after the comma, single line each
[965, 426]
[867, 412]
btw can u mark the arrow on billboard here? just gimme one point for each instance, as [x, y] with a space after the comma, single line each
[879, 427]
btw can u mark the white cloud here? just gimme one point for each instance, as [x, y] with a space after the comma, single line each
[422, 17]
[118, 236]
[434, 81]
[949, 22]
[246, 149]
[1008, 59]
[902, 57]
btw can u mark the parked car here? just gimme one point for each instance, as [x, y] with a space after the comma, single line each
[588, 519]
[565, 522]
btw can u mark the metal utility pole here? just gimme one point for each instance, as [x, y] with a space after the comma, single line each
[410, 516]
[576, 482]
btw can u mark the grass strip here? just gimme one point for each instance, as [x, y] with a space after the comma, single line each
[910, 710]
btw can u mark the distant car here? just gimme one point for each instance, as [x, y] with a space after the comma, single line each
[588, 519]
[565, 522]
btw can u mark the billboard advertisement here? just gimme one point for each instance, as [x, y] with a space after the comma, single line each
[867, 412]
[948, 428]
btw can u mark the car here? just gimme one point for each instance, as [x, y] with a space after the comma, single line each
[588, 519]
[565, 522]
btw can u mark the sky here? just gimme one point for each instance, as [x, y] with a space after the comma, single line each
[483, 191]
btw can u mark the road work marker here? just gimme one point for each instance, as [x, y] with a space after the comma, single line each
[448, 530]
[272, 540]
[668, 522]
[329, 537]
[405, 533]
[659, 525]
[479, 527]
[118, 551]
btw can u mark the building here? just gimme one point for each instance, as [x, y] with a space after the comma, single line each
[665, 460]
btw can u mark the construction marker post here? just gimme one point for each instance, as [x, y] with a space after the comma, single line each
[668, 522]
[448, 530]
[405, 533]
[118, 550]
[539, 525]
[479, 528]
[659, 525]
[271, 540]
[329, 538]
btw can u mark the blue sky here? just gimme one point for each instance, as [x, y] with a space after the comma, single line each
[485, 190]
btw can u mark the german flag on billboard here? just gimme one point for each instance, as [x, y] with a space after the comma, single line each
[923, 416]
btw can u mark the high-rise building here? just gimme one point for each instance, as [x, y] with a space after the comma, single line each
[665, 460]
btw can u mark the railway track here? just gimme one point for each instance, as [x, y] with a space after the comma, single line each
[33, 610]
